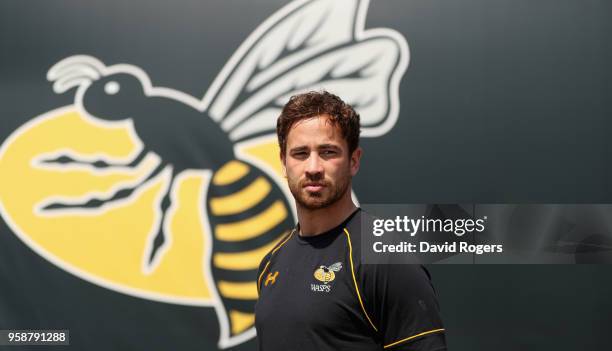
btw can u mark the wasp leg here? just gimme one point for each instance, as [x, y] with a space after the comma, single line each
[160, 237]
[94, 203]
[70, 160]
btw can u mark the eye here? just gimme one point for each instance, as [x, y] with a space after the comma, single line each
[328, 153]
[299, 154]
[111, 88]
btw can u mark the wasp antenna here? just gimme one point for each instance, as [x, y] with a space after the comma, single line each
[79, 62]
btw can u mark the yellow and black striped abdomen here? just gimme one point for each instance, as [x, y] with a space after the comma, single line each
[248, 214]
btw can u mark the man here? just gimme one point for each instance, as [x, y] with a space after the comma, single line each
[313, 292]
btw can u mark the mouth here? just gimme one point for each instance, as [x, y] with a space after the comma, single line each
[314, 187]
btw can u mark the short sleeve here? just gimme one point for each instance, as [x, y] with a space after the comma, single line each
[403, 307]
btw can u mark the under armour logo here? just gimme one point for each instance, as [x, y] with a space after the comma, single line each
[271, 278]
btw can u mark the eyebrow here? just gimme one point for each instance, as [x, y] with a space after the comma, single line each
[328, 146]
[319, 147]
[298, 149]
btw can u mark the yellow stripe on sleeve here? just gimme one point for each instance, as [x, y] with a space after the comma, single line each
[268, 263]
[348, 236]
[413, 337]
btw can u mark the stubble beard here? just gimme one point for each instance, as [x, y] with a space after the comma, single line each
[329, 195]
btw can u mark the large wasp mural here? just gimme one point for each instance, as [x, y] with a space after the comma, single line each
[157, 194]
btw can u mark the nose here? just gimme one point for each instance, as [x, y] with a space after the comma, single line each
[314, 166]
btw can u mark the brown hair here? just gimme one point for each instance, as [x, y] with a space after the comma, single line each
[312, 104]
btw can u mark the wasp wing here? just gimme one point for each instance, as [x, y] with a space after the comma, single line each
[359, 73]
[293, 34]
[335, 267]
[310, 46]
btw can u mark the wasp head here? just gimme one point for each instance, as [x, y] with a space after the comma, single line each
[109, 93]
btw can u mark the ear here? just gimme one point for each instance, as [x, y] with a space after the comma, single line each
[355, 161]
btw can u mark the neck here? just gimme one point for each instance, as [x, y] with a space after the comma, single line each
[318, 221]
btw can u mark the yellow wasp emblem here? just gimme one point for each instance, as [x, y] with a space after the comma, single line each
[327, 274]
[159, 194]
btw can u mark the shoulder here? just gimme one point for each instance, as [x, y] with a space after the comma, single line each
[388, 270]
[265, 261]
[280, 243]
[354, 229]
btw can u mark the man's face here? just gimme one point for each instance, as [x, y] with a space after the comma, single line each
[317, 163]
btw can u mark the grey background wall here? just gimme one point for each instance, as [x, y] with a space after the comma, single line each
[503, 102]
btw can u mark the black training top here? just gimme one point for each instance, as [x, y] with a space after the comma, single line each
[315, 295]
